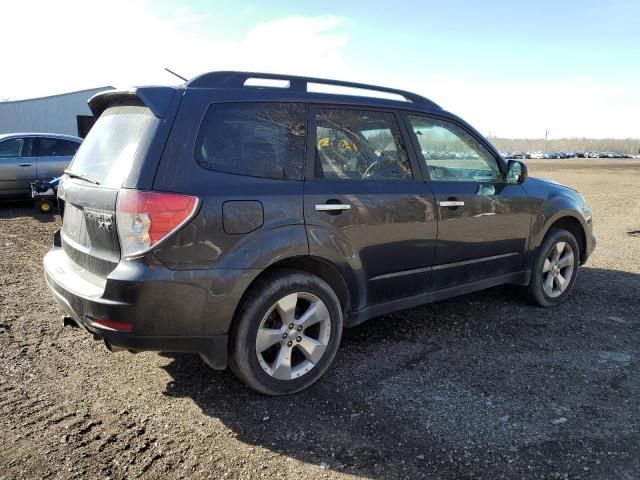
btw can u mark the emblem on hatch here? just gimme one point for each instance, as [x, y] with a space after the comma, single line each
[103, 220]
[104, 225]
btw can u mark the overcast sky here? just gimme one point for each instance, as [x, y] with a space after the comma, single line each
[510, 68]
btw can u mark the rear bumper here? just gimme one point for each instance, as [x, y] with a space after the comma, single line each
[213, 349]
[156, 309]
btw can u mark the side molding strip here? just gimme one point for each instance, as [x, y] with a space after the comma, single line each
[443, 266]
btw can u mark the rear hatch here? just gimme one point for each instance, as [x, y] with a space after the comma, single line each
[115, 150]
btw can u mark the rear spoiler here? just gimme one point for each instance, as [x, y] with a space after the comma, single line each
[157, 99]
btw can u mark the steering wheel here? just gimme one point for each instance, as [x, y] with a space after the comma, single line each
[371, 168]
[380, 162]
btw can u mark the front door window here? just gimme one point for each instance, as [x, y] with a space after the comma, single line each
[451, 154]
[359, 145]
[11, 148]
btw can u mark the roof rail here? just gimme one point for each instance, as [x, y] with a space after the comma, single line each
[231, 79]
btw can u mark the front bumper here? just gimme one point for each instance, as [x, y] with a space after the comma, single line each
[162, 310]
[590, 247]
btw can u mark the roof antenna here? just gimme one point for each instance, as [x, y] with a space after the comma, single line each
[174, 73]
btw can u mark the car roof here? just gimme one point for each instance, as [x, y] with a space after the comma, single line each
[254, 86]
[61, 136]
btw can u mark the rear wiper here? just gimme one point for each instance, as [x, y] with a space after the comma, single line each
[81, 177]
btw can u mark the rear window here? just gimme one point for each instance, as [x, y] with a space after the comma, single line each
[107, 154]
[256, 139]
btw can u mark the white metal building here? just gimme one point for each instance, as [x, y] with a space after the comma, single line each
[66, 113]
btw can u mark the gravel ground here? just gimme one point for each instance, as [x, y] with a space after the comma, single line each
[482, 386]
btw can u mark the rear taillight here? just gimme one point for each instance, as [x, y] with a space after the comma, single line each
[146, 218]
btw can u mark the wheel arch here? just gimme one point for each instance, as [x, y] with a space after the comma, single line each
[323, 269]
[559, 211]
[571, 224]
[317, 266]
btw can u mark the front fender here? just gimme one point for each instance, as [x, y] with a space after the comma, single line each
[550, 212]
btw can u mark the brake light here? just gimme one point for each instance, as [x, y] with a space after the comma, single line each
[146, 218]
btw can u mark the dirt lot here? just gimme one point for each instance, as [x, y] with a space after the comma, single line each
[483, 386]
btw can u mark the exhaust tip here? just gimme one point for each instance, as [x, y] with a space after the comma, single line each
[113, 348]
[69, 322]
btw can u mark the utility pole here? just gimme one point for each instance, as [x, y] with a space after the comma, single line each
[546, 138]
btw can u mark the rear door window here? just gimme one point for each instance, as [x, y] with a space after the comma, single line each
[28, 147]
[55, 147]
[257, 139]
[108, 152]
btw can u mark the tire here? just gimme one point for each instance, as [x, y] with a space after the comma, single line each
[45, 206]
[262, 343]
[551, 266]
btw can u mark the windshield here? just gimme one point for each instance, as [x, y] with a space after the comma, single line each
[107, 154]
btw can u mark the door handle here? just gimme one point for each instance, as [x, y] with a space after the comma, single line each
[332, 207]
[451, 203]
[25, 164]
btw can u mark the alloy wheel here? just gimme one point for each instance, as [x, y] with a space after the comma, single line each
[293, 336]
[557, 270]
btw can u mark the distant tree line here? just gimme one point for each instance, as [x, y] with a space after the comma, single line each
[621, 145]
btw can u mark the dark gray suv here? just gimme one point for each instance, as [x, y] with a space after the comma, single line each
[249, 222]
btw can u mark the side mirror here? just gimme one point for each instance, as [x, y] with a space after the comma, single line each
[517, 172]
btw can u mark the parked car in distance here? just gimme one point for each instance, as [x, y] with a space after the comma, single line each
[27, 157]
[250, 223]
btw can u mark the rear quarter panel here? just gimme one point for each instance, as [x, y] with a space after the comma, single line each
[204, 243]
